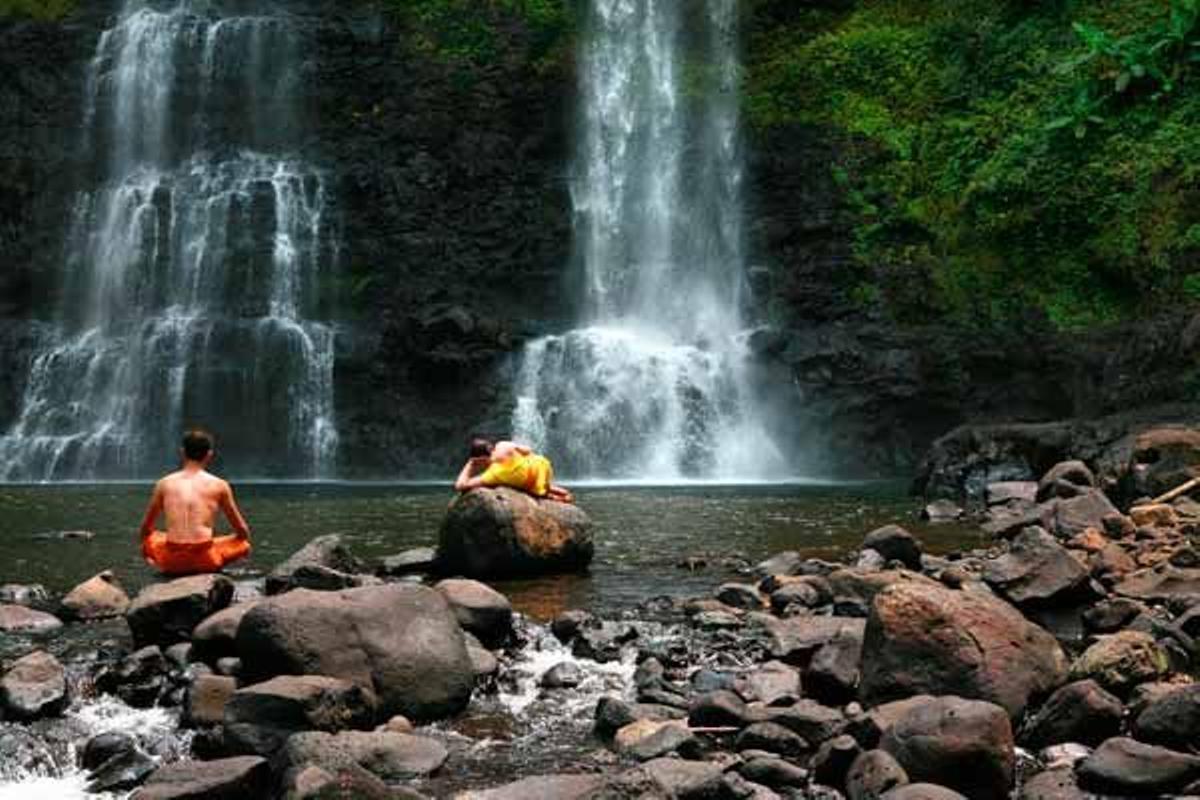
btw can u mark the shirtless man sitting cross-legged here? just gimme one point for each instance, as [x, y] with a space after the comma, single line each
[190, 498]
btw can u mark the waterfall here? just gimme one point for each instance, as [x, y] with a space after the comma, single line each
[191, 288]
[656, 383]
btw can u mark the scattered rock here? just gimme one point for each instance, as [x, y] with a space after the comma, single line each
[832, 675]
[401, 641]
[23, 594]
[612, 714]
[646, 740]
[896, 544]
[244, 776]
[390, 756]
[98, 597]
[934, 640]
[771, 737]
[1036, 570]
[166, 613]
[503, 532]
[543, 787]
[1154, 515]
[563, 675]
[1162, 583]
[873, 773]
[1065, 479]
[1123, 766]
[1111, 615]
[1172, 719]
[774, 772]
[320, 563]
[1003, 492]
[122, 772]
[811, 720]
[1078, 712]
[966, 745]
[1121, 660]
[1074, 515]
[686, 780]
[260, 718]
[739, 595]
[216, 636]
[483, 663]
[34, 686]
[566, 626]
[794, 640]
[1053, 784]
[479, 608]
[831, 763]
[408, 562]
[719, 709]
[857, 588]
[19, 619]
[772, 683]
[204, 705]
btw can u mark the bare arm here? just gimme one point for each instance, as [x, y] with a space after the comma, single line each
[467, 478]
[153, 509]
[233, 513]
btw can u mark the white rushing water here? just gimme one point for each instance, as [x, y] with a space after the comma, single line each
[656, 384]
[53, 770]
[191, 286]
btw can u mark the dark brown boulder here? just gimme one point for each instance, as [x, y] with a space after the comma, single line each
[1172, 719]
[98, 597]
[240, 777]
[502, 532]
[1080, 712]
[1035, 570]
[260, 718]
[1125, 767]
[933, 640]
[966, 745]
[34, 686]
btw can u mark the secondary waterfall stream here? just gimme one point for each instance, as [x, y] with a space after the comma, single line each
[656, 384]
[191, 284]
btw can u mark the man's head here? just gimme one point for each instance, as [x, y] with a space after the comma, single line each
[198, 445]
[481, 448]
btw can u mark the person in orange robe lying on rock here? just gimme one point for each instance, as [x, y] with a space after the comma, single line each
[509, 464]
[190, 498]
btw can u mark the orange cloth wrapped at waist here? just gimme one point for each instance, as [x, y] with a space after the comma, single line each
[531, 473]
[191, 558]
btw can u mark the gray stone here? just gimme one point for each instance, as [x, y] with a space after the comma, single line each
[873, 773]
[99, 597]
[391, 756]
[808, 718]
[1171, 719]
[320, 564]
[1065, 479]
[774, 772]
[541, 787]
[216, 636]
[771, 737]
[1162, 583]
[34, 686]
[772, 683]
[1035, 570]
[1078, 712]
[1003, 492]
[479, 608]
[1123, 766]
[739, 595]
[921, 791]
[401, 641]
[260, 718]
[1074, 515]
[896, 544]
[19, 619]
[1121, 660]
[832, 675]
[223, 779]
[414, 560]
[166, 613]
[685, 780]
[1053, 784]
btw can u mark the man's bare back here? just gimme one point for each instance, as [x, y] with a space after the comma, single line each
[190, 498]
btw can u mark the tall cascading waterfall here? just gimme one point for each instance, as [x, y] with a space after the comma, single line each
[191, 287]
[656, 386]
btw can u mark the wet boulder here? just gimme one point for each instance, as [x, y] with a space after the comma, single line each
[1124, 767]
[479, 608]
[121, 772]
[613, 713]
[1073, 515]
[166, 613]
[34, 686]
[19, 619]
[324, 564]
[1172, 719]
[895, 544]
[1078, 712]
[204, 704]
[409, 562]
[390, 756]
[794, 640]
[966, 745]
[260, 718]
[773, 772]
[934, 640]
[140, 678]
[832, 674]
[99, 597]
[502, 532]
[1036, 570]
[216, 636]
[243, 776]
[400, 641]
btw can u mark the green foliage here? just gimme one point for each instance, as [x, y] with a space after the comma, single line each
[999, 156]
[469, 34]
[47, 10]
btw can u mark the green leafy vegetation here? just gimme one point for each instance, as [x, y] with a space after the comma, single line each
[470, 34]
[1000, 157]
[36, 9]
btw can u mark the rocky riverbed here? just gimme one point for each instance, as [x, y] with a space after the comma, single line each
[1056, 662]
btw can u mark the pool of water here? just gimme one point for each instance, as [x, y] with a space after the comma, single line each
[642, 533]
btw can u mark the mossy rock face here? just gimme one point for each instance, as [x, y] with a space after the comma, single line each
[1121, 661]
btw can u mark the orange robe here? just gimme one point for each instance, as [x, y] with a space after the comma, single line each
[192, 558]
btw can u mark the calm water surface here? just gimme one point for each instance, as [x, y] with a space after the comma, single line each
[642, 533]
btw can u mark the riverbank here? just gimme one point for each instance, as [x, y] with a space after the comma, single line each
[766, 680]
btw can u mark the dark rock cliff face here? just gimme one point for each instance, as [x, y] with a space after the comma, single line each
[452, 193]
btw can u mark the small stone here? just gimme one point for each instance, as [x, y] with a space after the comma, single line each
[1120, 661]
[564, 675]
[739, 595]
[414, 560]
[833, 759]
[19, 619]
[99, 597]
[772, 771]
[245, 776]
[206, 699]
[771, 737]
[873, 773]
[1123, 766]
[34, 686]
[566, 626]
[397, 724]
[479, 608]
[1078, 712]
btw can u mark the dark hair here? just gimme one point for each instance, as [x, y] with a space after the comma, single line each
[481, 447]
[197, 444]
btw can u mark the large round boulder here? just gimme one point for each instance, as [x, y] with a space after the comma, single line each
[931, 640]
[401, 641]
[502, 532]
[966, 745]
